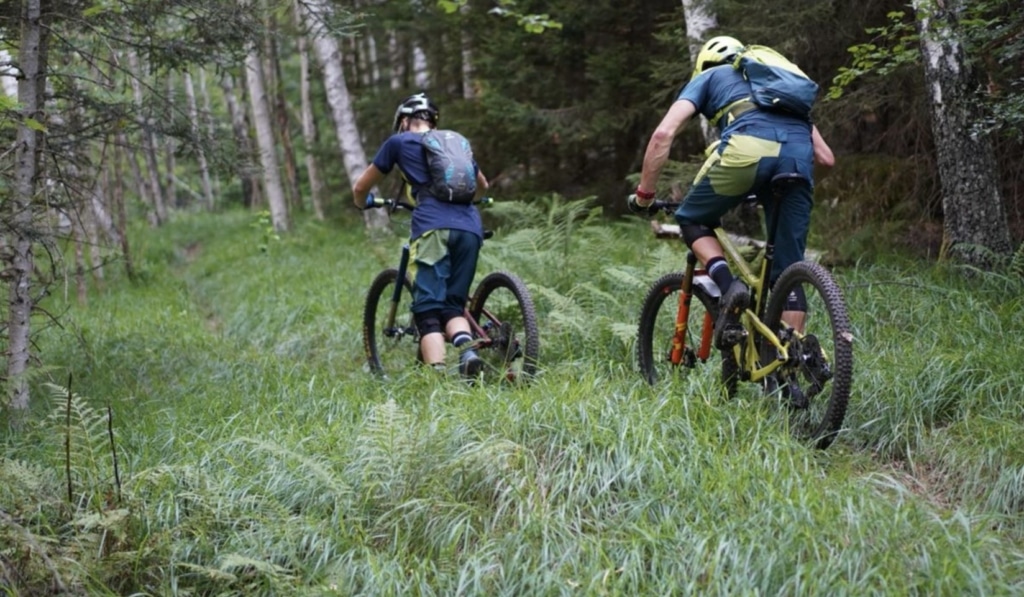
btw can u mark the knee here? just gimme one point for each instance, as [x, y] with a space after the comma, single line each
[428, 322]
[692, 232]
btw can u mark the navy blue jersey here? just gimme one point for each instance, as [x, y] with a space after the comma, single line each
[405, 151]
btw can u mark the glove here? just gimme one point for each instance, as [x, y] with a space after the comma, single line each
[369, 201]
[637, 205]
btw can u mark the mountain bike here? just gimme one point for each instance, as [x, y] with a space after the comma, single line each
[808, 366]
[500, 312]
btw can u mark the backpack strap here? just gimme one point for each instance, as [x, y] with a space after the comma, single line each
[733, 111]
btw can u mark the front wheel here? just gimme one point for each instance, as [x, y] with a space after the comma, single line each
[390, 337]
[815, 380]
[508, 340]
[656, 331]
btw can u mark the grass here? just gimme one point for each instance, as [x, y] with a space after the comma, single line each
[257, 456]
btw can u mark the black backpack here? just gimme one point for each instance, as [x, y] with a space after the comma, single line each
[450, 165]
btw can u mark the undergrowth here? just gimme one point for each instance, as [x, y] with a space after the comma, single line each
[212, 429]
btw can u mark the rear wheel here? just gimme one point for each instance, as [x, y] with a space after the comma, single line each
[656, 330]
[510, 346]
[390, 337]
[815, 381]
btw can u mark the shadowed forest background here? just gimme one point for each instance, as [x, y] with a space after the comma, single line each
[187, 407]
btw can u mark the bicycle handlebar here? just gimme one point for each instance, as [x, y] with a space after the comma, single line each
[390, 203]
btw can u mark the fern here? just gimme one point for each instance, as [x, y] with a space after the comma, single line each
[85, 448]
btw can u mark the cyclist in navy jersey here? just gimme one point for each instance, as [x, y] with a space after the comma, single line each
[445, 239]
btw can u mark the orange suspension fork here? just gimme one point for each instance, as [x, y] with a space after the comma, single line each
[682, 313]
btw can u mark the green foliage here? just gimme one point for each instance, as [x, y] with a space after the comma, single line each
[900, 49]
[259, 457]
[532, 23]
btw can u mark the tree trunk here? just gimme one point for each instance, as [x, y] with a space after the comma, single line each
[156, 193]
[395, 58]
[974, 216]
[279, 107]
[420, 70]
[32, 58]
[309, 136]
[468, 85]
[329, 54]
[250, 186]
[170, 146]
[211, 130]
[204, 169]
[117, 204]
[265, 141]
[699, 20]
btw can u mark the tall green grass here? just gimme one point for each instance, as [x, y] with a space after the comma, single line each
[256, 455]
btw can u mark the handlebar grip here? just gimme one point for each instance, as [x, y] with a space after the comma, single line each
[372, 201]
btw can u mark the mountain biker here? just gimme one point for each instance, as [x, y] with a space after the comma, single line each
[445, 239]
[755, 145]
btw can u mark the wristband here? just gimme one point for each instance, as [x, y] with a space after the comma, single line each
[644, 195]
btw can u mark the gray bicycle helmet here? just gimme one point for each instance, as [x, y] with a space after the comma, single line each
[418, 105]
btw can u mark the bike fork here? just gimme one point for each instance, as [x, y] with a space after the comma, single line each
[677, 355]
[396, 295]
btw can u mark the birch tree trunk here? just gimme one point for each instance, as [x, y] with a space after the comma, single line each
[309, 136]
[468, 85]
[395, 58]
[32, 58]
[420, 69]
[204, 168]
[250, 186]
[207, 121]
[170, 149]
[156, 193]
[699, 19]
[974, 216]
[316, 13]
[276, 201]
[279, 109]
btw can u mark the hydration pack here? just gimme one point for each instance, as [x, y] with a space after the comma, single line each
[775, 82]
[450, 165]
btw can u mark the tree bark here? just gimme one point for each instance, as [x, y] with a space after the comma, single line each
[32, 58]
[204, 168]
[279, 108]
[699, 19]
[156, 192]
[328, 53]
[309, 136]
[420, 69]
[974, 216]
[250, 186]
[276, 202]
[468, 84]
[170, 145]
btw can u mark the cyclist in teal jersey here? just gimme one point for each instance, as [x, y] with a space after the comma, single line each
[755, 145]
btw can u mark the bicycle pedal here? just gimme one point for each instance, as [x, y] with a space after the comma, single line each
[731, 336]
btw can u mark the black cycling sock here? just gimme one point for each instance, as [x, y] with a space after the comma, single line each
[461, 338]
[719, 271]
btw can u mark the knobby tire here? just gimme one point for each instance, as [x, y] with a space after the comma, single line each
[821, 417]
[389, 353]
[657, 324]
[513, 349]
